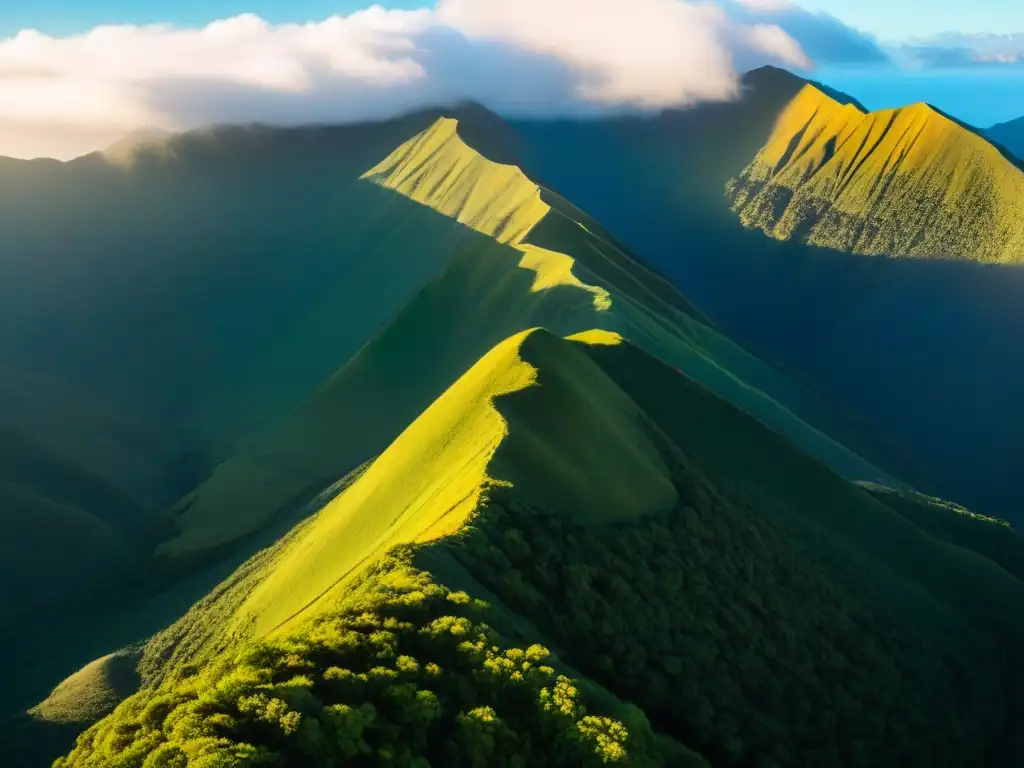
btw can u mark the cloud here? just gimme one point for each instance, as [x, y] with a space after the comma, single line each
[652, 53]
[824, 38]
[62, 96]
[956, 51]
[766, 6]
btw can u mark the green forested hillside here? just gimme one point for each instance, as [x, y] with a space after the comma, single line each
[629, 626]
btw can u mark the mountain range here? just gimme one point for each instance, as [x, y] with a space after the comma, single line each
[685, 439]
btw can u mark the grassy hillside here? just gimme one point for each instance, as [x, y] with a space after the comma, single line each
[92, 692]
[903, 182]
[718, 589]
[430, 479]
[519, 257]
[206, 283]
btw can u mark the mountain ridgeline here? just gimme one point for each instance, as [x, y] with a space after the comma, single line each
[364, 445]
[891, 273]
[1009, 135]
[909, 182]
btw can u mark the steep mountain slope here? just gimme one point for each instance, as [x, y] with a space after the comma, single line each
[515, 261]
[674, 553]
[988, 536]
[899, 340]
[1009, 135]
[225, 240]
[206, 283]
[903, 182]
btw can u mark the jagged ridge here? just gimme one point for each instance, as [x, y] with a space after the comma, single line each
[899, 182]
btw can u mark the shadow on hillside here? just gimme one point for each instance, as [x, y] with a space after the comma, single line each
[481, 298]
[927, 350]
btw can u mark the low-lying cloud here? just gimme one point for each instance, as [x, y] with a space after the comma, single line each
[65, 96]
[955, 51]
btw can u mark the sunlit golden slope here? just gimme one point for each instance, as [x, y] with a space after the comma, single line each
[901, 182]
[524, 259]
[535, 411]
[439, 170]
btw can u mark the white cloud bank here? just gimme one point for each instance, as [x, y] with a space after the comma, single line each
[65, 96]
[956, 51]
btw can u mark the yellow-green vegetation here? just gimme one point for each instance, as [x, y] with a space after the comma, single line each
[404, 673]
[92, 692]
[518, 257]
[734, 633]
[437, 168]
[898, 182]
[587, 528]
[567, 434]
[708, 585]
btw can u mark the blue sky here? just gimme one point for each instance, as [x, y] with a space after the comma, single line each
[73, 88]
[62, 17]
[900, 19]
[890, 19]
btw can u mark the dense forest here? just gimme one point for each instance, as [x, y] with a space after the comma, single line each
[733, 626]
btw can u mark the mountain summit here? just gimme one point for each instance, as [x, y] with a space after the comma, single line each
[899, 182]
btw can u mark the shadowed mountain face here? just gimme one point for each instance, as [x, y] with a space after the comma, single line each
[210, 283]
[899, 339]
[1009, 135]
[510, 256]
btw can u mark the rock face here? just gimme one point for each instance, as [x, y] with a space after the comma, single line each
[901, 182]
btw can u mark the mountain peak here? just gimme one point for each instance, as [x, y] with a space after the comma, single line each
[784, 85]
[772, 81]
[770, 73]
[829, 160]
